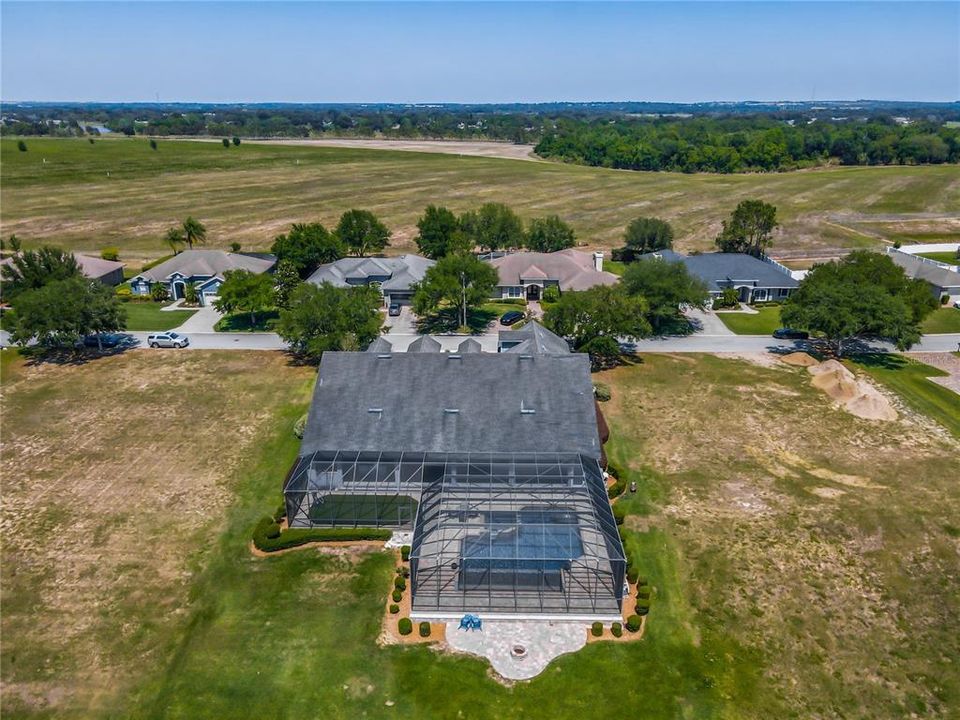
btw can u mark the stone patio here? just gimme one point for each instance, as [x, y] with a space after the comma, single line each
[542, 641]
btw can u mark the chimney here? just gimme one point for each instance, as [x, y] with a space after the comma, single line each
[598, 261]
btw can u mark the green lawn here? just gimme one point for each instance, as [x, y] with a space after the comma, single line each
[242, 322]
[764, 322]
[942, 320]
[950, 258]
[247, 193]
[148, 316]
[909, 379]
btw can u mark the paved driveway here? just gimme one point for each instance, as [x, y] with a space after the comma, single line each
[708, 321]
[202, 321]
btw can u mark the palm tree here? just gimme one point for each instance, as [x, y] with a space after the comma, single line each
[175, 239]
[194, 232]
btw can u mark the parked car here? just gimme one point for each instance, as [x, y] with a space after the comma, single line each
[790, 334]
[509, 318]
[167, 339]
[393, 310]
[105, 340]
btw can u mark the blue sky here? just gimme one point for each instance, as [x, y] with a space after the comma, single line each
[479, 52]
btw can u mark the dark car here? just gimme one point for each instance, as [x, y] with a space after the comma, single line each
[105, 340]
[514, 316]
[393, 310]
[790, 334]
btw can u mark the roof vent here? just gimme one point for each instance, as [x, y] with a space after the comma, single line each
[525, 410]
[378, 411]
[526, 357]
[451, 411]
[384, 356]
[454, 356]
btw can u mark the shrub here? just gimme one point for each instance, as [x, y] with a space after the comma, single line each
[300, 425]
[405, 553]
[596, 629]
[280, 513]
[301, 536]
[124, 293]
[634, 622]
[153, 144]
[551, 294]
[191, 296]
[236, 140]
[642, 608]
[602, 392]
[632, 573]
[728, 299]
[399, 583]
[272, 532]
[397, 596]
[424, 629]
[616, 629]
[643, 593]
[91, 140]
[226, 142]
[617, 489]
[21, 146]
[897, 244]
[944, 299]
[642, 580]
[619, 514]
[404, 626]
[110, 253]
[159, 292]
[394, 608]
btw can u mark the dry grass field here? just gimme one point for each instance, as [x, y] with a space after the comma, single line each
[119, 192]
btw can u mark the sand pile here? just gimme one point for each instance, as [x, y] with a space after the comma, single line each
[800, 359]
[857, 397]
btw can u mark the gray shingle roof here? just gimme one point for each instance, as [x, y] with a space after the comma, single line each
[719, 270]
[380, 345]
[424, 344]
[469, 345]
[534, 338]
[440, 402]
[192, 263]
[398, 273]
[934, 274]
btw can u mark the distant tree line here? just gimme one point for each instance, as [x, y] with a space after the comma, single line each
[744, 144]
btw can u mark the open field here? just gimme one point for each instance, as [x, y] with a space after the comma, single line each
[477, 148]
[799, 569]
[120, 192]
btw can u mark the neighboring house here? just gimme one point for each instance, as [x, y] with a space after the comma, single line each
[394, 275]
[755, 280]
[531, 338]
[492, 460]
[527, 274]
[109, 272]
[939, 277]
[204, 268]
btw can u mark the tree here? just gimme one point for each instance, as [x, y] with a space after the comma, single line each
[749, 228]
[153, 144]
[307, 246]
[61, 311]
[325, 317]
[644, 235]
[191, 296]
[362, 232]
[194, 232]
[159, 292]
[286, 279]
[863, 296]
[459, 281]
[549, 234]
[226, 142]
[236, 141]
[175, 239]
[15, 243]
[235, 247]
[493, 227]
[21, 146]
[245, 291]
[33, 269]
[597, 317]
[440, 233]
[665, 285]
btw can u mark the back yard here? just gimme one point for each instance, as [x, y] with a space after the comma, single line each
[799, 569]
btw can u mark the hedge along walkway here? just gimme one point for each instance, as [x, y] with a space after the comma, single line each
[390, 632]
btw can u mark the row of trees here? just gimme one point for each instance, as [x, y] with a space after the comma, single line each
[729, 145]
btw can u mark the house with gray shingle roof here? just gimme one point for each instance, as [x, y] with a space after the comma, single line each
[394, 275]
[532, 338]
[206, 269]
[755, 280]
[941, 279]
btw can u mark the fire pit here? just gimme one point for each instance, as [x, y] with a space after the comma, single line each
[518, 651]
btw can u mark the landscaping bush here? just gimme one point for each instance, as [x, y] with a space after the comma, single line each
[551, 294]
[643, 593]
[642, 608]
[616, 629]
[124, 293]
[110, 253]
[405, 626]
[159, 293]
[633, 623]
[273, 531]
[596, 629]
[944, 299]
[632, 573]
[619, 514]
[399, 583]
[21, 146]
[394, 608]
[729, 299]
[301, 536]
[397, 596]
[300, 425]
[642, 580]
[405, 553]
[424, 629]
[602, 392]
[617, 489]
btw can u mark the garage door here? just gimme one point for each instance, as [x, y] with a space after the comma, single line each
[209, 299]
[401, 298]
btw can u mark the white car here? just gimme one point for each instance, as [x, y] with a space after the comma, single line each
[167, 339]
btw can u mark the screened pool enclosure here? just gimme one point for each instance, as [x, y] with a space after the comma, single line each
[507, 533]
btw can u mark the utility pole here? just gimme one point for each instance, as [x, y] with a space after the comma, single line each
[463, 299]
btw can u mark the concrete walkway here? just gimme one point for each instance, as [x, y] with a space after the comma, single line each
[541, 640]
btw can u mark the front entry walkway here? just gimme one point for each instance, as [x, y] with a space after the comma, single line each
[522, 649]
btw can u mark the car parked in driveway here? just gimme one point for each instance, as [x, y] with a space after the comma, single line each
[512, 317]
[790, 334]
[167, 339]
[394, 310]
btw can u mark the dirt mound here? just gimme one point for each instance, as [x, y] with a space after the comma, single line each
[857, 397]
[800, 359]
